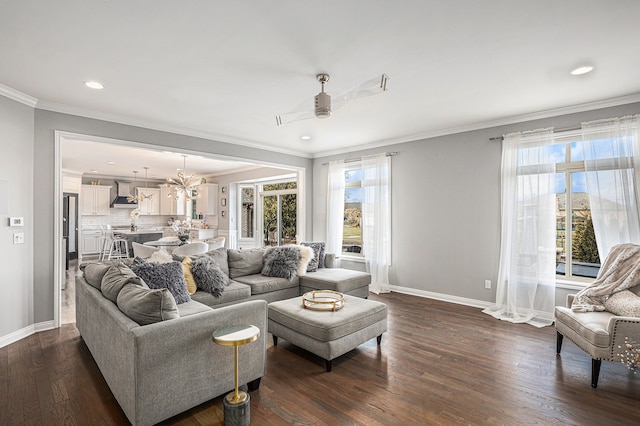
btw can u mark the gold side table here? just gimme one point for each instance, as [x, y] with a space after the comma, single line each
[236, 403]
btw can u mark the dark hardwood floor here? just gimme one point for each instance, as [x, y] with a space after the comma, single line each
[439, 364]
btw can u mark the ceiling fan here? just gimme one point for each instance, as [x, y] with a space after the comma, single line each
[323, 105]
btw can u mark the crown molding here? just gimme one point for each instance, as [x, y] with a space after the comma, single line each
[152, 125]
[66, 109]
[588, 106]
[23, 98]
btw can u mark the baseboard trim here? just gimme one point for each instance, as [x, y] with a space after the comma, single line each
[25, 332]
[441, 296]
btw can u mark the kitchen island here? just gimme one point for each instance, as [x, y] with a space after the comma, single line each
[140, 236]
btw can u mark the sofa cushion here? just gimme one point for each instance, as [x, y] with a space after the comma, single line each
[318, 255]
[336, 279]
[164, 275]
[244, 262]
[624, 303]
[261, 284]
[233, 293]
[94, 272]
[192, 307]
[219, 255]
[115, 278]
[147, 306]
[208, 275]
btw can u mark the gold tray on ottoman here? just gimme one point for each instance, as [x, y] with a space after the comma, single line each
[323, 300]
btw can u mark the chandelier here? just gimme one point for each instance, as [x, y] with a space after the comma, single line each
[138, 197]
[184, 184]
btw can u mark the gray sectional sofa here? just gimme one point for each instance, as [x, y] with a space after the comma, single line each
[247, 283]
[160, 369]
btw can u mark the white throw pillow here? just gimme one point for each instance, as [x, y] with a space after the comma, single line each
[623, 303]
[161, 256]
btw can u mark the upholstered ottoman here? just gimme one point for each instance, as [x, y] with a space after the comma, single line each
[325, 333]
[345, 281]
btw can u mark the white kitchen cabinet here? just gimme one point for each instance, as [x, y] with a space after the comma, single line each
[90, 242]
[149, 206]
[95, 199]
[207, 199]
[201, 234]
[206, 234]
[168, 204]
[71, 183]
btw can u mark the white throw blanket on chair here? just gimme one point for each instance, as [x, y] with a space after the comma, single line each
[620, 271]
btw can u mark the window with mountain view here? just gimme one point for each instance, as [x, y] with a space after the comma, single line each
[352, 231]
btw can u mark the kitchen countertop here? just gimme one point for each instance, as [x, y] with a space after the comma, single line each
[138, 232]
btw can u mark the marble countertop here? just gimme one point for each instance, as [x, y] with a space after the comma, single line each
[138, 232]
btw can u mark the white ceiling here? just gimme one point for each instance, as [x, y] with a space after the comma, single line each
[94, 158]
[223, 70]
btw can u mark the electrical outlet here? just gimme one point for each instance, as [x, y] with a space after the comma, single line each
[18, 238]
[487, 283]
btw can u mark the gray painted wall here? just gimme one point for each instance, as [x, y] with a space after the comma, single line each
[16, 167]
[446, 202]
[227, 180]
[47, 122]
[446, 207]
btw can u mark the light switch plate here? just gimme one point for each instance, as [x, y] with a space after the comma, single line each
[16, 221]
[18, 238]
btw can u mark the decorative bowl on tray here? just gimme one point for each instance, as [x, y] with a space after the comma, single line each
[323, 300]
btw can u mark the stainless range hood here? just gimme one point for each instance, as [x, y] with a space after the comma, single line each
[124, 190]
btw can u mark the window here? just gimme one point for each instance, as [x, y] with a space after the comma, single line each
[267, 213]
[576, 248]
[576, 245]
[247, 220]
[279, 213]
[352, 229]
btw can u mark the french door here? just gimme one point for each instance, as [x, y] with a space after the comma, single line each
[279, 203]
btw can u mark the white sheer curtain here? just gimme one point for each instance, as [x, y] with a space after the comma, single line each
[526, 275]
[335, 207]
[612, 165]
[376, 220]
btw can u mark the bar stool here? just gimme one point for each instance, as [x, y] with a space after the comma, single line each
[119, 248]
[113, 247]
[105, 242]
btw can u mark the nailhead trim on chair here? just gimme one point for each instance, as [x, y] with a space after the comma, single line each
[581, 347]
[595, 371]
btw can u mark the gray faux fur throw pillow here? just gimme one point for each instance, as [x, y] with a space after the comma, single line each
[208, 275]
[164, 275]
[286, 261]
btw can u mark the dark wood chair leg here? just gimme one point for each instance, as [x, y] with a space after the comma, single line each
[254, 384]
[595, 372]
[275, 340]
[379, 339]
[559, 338]
[328, 365]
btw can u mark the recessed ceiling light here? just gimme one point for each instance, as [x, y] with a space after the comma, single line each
[94, 171]
[94, 85]
[111, 163]
[305, 137]
[582, 70]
